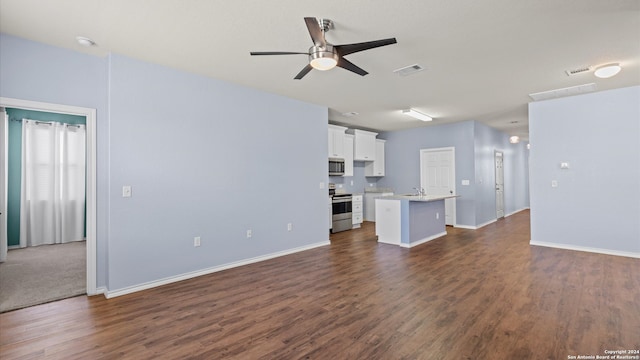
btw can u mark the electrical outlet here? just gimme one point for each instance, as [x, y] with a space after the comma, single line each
[289, 227]
[196, 241]
[249, 233]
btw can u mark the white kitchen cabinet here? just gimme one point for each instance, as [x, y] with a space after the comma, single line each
[376, 167]
[364, 145]
[336, 141]
[356, 210]
[348, 155]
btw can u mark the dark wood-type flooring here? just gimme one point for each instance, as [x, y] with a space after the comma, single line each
[483, 294]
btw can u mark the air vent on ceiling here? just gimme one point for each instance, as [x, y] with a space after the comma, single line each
[350, 113]
[408, 70]
[578, 70]
[557, 93]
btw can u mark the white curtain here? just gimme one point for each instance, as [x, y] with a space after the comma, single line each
[52, 204]
[4, 122]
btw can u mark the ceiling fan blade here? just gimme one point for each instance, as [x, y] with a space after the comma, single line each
[314, 30]
[352, 48]
[348, 65]
[303, 72]
[276, 53]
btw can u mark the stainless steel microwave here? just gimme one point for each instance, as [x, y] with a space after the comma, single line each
[336, 167]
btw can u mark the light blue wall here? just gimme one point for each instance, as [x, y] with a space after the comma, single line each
[597, 202]
[515, 165]
[205, 158]
[360, 182]
[37, 72]
[402, 161]
[475, 144]
[210, 159]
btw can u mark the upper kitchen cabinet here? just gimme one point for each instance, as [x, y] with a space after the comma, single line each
[348, 155]
[376, 167]
[365, 145]
[336, 141]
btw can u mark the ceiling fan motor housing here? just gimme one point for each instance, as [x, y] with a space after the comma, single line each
[323, 57]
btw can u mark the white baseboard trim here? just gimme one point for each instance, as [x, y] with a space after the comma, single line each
[388, 241]
[477, 226]
[517, 211]
[585, 248]
[427, 239]
[99, 291]
[172, 279]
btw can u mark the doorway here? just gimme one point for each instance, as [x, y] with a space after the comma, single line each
[499, 164]
[90, 115]
[438, 177]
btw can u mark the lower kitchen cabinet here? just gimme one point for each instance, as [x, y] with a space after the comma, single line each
[356, 210]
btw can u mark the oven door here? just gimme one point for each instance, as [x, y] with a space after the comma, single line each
[341, 207]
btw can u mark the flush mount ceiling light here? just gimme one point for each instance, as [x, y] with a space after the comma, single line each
[417, 115]
[85, 41]
[514, 139]
[607, 71]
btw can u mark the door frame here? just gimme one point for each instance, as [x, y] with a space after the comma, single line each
[453, 202]
[90, 115]
[495, 168]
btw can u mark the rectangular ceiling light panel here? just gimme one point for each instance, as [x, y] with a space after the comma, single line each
[569, 91]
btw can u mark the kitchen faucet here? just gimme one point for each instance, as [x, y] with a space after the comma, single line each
[420, 191]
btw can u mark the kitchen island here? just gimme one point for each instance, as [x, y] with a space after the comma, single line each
[410, 220]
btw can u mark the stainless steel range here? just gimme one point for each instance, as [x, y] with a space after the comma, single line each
[340, 210]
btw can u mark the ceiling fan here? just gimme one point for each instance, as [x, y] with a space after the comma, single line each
[325, 56]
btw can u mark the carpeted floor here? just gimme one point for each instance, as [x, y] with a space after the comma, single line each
[40, 274]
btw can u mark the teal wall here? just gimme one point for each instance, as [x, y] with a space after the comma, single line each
[15, 163]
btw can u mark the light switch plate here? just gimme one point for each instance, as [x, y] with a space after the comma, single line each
[554, 183]
[465, 182]
[126, 191]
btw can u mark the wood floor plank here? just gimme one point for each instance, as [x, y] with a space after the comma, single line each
[472, 294]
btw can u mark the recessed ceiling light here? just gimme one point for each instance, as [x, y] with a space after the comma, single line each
[514, 139]
[417, 115]
[607, 71]
[350, 113]
[85, 41]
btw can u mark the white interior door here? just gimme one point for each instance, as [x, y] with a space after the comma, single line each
[499, 161]
[438, 177]
[4, 128]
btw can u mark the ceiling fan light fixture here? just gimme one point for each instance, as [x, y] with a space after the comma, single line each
[323, 59]
[607, 71]
[417, 115]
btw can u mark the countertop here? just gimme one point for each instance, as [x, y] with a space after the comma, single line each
[423, 198]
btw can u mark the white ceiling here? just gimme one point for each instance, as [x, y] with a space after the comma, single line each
[482, 58]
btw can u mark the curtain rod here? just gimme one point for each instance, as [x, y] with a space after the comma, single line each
[45, 122]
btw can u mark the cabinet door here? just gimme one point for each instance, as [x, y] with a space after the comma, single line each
[336, 141]
[348, 155]
[376, 168]
[378, 164]
[365, 145]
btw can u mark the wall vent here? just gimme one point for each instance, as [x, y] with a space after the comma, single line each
[578, 70]
[408, 70]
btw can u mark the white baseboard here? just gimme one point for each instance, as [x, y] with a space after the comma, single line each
[172, 279]
[517, 211]
[470, 227]
[427, 239]
[585, 248]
